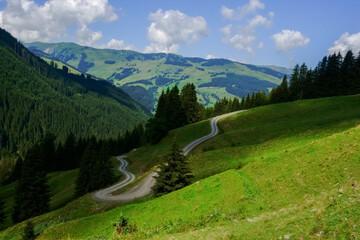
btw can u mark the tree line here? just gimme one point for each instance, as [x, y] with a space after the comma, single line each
[334, 75]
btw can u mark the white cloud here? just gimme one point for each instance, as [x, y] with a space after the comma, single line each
[209, 56]
[345, 43]
[260, 45]
[245, 35]
[259, 20]
[28, 21]
[87, 37]
[287, 40]
[227, 12]
[242, 11]
[117, 45]
[170, 28]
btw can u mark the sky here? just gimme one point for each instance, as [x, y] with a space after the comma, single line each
[261, 32]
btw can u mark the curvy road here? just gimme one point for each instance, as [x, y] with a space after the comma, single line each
[144, 187]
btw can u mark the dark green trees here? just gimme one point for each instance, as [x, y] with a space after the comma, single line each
[174, 110]
[95, 170]
[190, 104]
[29, 231]
[174, 173]
[2, 212]
[280, 93]
[32, 191]
[334, 75]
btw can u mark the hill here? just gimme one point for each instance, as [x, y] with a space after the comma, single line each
[144, 76]
[287, 170]
[36, 98]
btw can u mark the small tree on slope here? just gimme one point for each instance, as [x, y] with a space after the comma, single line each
[174, 173]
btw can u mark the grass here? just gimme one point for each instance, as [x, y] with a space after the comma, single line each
[144, 158]
[286, 170]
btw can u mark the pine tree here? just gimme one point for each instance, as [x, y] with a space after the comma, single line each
[294, 88]
[104, 173]
[174, 173]
[177, 116]
[32, 195]
[2, 212]
[16, 172]
[29, 231]
[347, 71]
[189, 103]
[69, 160]
[86, 180]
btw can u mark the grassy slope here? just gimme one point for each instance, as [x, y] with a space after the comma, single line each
[85, 206]
[60, 66]
[293, 168]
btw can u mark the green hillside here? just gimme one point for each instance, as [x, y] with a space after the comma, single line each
[287, 171]
[144, 76]
[36, 99]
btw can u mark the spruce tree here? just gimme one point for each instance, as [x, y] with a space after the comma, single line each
[29, 231]
[2, 212]
[189, 103]
[69, 160]
[32, 195]
[174, 173]
[86, 180]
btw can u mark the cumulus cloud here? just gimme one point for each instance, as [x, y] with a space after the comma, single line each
[210, 56]
[87, 37]
[227, 12]
[345, 43]
[117, 45]
[28, 21]
[171, 28]
[287, 40]
[244, 37]
[242, 11]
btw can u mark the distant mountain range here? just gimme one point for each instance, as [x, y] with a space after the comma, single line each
[144, 76]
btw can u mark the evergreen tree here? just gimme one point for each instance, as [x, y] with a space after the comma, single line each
[294, 88]
[103, 174]
[174, 173]
[32, 195]
[47, 151]
[29, 231]
[347, 72]
[162, 106]
[2, 212]
[156, 129]
[247, 102]
[69, 160]
[16, 172]
[177, 116]
[189, 103]
[301, 81]
[85, 181]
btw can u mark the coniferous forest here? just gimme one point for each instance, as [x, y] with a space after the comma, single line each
[37, 99]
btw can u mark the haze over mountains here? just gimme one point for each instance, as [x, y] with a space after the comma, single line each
[144, 76]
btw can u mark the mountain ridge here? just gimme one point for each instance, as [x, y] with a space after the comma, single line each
[144, 75]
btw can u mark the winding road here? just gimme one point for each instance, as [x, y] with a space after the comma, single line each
[144, 187]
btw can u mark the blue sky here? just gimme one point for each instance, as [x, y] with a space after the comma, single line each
[262, 32]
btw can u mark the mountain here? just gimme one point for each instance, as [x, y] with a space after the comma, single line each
[144, 76]
[36, 98]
